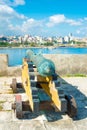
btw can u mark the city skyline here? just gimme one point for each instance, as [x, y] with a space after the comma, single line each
[43, 17]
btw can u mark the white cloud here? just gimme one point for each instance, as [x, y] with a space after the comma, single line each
[32, 22]
[10, 19]
[73, 22]
[4, 9]
[12, 3]
[31, 25]
[11, 22]
[9, 13]
[55, 19]
[27, 26]
[18, 2]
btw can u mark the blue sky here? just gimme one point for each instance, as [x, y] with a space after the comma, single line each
[43, 17]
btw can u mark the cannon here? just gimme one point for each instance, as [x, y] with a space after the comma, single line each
[42, 87]
[44, 66]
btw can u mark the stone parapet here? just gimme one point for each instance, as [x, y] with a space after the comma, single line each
[64, 63]
[3, 64]
[69, 63]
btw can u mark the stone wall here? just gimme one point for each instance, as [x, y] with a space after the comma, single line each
[3, 64]
[64, 63]
[69, 64]
[5, 70]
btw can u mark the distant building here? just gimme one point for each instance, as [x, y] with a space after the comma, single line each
[25, 38]
[70, 36]
[66, 39]
[60, 40]
[20, 40]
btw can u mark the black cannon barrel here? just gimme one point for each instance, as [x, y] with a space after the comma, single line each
[44, 66]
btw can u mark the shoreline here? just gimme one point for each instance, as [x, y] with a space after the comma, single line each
[53, 47]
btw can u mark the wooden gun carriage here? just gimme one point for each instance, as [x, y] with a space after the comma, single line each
[42, 88]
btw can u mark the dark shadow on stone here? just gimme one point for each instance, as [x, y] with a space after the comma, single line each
[80, 98]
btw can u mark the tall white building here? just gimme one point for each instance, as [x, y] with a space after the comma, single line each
[67, 39]
[70, 36]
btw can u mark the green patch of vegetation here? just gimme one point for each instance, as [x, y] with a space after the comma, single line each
[8, 110]
[80, 75]
[2, 102]
[33, 44]
[1, 108]
[4, 44]
[48, 44]
[76, 75]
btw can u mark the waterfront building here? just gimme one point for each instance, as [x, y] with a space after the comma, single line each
[66, 39]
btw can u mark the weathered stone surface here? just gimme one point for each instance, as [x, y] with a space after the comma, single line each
[10, 126]
[32, 125]
[68, 63]
[5, 116]
[22, 125]
[3, 64]
[50, 120]
[1, 126]
[60, 125]
[14, 71]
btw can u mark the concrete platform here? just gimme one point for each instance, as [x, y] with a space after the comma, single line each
[77, 86]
